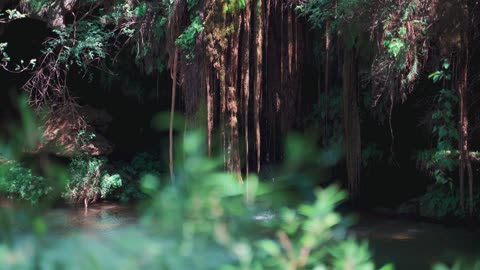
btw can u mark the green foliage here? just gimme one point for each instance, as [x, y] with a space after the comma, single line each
[186, 40]
[402, 31]
[142, 165]
[12, 14]
[396, 41]
[327, 116]
[350, 254]
[130, 191]
[84, 179]
[21, 183]
[159, 27]
[205, 222]
[310, 237]
[37, 5]
[442, 159]
[89, 41]
[19, 67]
[89, 180]
[214, 213]
[18, 181]
[191, 4]
[110, 183]
[442, 73]
[163, 12]
[5, 57]
[442, 201]
[80, 44]
[318, 12]
[122, 12]
[83, 137]
[395, 46]
[26, 135]
[233, 6]
[141, 9]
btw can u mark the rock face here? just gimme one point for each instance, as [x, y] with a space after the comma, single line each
[52, 12]
[68, 136]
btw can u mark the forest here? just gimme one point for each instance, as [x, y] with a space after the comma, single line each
[239, 134]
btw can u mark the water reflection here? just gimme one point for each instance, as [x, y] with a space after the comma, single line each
[416, 245]
[408, 244]
[100, 216]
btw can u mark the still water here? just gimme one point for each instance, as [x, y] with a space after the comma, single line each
[408, 244]
[416, 245]
[99, 217]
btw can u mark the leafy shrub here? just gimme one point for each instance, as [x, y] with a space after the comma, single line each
[19, 182]
[84, 183]
[89, 180]
[442, 201]
[205, 222]
[215, 213]
[439, 201]
[89, 46]
[143, 163]
[311, 237]
[130, 192]
[110, 183]
[442, 160]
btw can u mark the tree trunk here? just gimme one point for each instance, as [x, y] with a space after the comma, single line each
[351, 120]
[258, 77]
[246, 78]
[462, 85]
[326, 78]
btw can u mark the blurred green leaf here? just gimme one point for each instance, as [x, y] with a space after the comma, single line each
[161, 122]
[388, 266]
[270, 247]
[39, 226]
[150, 183]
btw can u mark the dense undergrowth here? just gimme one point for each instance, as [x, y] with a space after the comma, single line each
[89, 178]
[251, 71]
[18, 182]
[205, 220]
[206, 215]
[334, 68]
